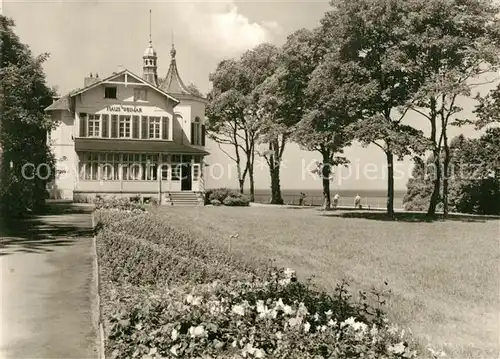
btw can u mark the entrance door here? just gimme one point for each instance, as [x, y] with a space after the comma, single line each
[186, 182]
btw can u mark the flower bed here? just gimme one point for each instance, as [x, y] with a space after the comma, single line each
[168, 296]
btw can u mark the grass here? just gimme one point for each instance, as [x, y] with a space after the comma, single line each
[443, 276]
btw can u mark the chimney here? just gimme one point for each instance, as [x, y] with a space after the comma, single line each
[91, 80]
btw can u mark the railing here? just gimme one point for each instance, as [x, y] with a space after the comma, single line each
[366, 202]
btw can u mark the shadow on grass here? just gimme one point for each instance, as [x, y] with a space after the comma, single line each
[408, 217]
[60, 225]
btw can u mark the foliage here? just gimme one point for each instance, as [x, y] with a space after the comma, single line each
[215, 202]
[194, 90]
[237, 201]
[119, 203]
[23, 137]
[169, 301]
[474, 177]
[232, 112]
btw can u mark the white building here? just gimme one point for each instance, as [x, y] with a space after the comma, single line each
[125, 135]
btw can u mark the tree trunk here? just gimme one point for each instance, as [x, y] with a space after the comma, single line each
[274, 171]
[252, 185]
[241, 183]
[431, 211]
[390, 184]
[325, 177]
[445, 174]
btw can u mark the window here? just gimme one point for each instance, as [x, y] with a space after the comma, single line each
[132, 170]
[89, 166]
[154, 127]
[150, 167]
[196, 172]
[94, 125]
[110, 92]
[140, 95]
[176, 167]
[164, 171]
[196, 132]
[124, 127]
[109, 164]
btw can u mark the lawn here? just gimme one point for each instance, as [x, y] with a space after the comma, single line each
[443, 276]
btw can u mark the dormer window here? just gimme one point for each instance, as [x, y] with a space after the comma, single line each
[110, 92]
[140, 94]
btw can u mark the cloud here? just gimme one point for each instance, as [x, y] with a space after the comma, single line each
[221, 29]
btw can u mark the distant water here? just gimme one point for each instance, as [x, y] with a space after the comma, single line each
[369, 198]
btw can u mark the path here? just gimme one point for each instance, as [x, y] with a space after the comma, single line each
[47, 286]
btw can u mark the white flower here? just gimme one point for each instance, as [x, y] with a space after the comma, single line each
[189, 299]
[329, 313]
[316, 317]
[398, 348]
[294, 322]
[173, 350]
[307, 326]
[322, 328]
[289, 273]
[196, 301]
[349, 321]
[332, 322]
[197, 331]
[238, 309]
[175, 334]
[279, 335]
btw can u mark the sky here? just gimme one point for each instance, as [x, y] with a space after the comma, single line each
[104, 36]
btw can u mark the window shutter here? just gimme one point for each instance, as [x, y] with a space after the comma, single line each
[203, 132]
[83, 125]
[105, 125]
[144, 127]
[164, 124]
[114, 126]
[135, 127]
[192, 133]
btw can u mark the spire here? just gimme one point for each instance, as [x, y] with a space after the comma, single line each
[150, 41]
[173, 52]
[149, 65]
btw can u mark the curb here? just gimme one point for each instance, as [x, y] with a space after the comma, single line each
[98, 288]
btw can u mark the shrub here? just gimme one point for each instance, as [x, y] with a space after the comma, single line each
[215, 202]
[221, 194]
[240, 200]
[123, 204]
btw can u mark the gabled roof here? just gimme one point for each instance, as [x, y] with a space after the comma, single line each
[130, 73]
[64, 102]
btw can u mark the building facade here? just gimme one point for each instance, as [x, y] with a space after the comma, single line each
[128, 135]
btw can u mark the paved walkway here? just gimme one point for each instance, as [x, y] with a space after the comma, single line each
[47, 286]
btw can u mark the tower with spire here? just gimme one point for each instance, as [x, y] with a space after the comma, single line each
[149, 61]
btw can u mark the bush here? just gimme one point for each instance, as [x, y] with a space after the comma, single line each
[221, 194]
[123, 204]
[240, 200]
[215, 202]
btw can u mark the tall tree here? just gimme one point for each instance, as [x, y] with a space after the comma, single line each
[233, 113]
[225, 112]
[370, 36]
[23, 138]
[282, 100]
[453, 43]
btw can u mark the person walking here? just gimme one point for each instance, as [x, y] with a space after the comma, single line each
[336, 200]
[357, 201]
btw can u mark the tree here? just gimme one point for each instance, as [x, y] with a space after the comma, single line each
[282, 100]
[474, 179]
[233, 113]
[23, 97]
[453, 42]
[225, 112]
[194, 90]
[369, 37]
